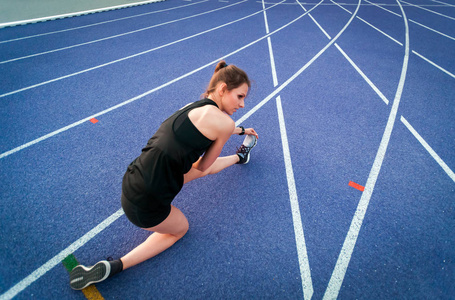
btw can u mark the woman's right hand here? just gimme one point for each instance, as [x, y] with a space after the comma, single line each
[251, 131]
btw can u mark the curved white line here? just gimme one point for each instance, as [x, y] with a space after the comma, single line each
[342, 263]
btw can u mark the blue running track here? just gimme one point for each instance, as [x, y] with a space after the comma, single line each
[349, 194]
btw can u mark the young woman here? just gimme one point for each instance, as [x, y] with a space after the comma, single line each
[171, 158]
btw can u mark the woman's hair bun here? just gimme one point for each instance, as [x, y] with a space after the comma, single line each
[221, 64]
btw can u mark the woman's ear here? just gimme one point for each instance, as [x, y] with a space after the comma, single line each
[222, 88]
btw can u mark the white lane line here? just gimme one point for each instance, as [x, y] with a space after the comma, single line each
[443, 3]
[302, 255]
[381, 95]
[315, 22]
[272, 62]
[434, 30]
[23, 22]
[269, 42]
[118, 35]
[57, 259]
[344, 258]
[99, 23]
[430, 150]
[434, 64]
[377, 29]
[305, 271]
[429, 10]
[143, 52]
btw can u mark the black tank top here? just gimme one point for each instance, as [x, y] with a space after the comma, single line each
[157, 174]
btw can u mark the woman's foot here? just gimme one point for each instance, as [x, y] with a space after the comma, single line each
[244, 151]
[81, 276]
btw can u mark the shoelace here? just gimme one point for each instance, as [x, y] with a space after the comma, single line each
[243, 149]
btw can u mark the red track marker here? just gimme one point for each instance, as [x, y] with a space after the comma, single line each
[356, 186]
[94, 120]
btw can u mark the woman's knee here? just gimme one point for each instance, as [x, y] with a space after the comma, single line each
[183, 224]
[185, 228]
[176, 223]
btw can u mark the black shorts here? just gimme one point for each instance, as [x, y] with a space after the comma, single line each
[145, 218]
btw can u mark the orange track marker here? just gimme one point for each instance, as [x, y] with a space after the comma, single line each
[356, 186]
[94, 120]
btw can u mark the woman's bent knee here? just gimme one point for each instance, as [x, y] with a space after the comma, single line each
[184, 226]
[185, 229]
[175, 224]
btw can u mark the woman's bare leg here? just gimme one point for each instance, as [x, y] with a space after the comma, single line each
[220, 164]
[164, 236]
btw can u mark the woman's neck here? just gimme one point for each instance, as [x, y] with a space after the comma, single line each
[216, 100]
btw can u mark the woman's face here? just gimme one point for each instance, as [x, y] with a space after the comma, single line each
[234, 99]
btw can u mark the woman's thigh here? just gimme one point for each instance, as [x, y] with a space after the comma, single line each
[220, 164]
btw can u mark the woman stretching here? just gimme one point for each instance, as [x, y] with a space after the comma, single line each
[171, 158]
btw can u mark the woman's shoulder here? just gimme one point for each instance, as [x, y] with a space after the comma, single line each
[211, 121]
[214, 114]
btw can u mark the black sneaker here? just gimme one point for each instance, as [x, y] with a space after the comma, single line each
[244, 151]
[81, 276]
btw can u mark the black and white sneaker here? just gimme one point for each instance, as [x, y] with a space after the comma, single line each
[244, 151]
[81, 276]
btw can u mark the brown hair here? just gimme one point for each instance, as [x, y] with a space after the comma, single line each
[229, 74]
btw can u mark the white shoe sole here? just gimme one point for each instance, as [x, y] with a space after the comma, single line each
[81, 276]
